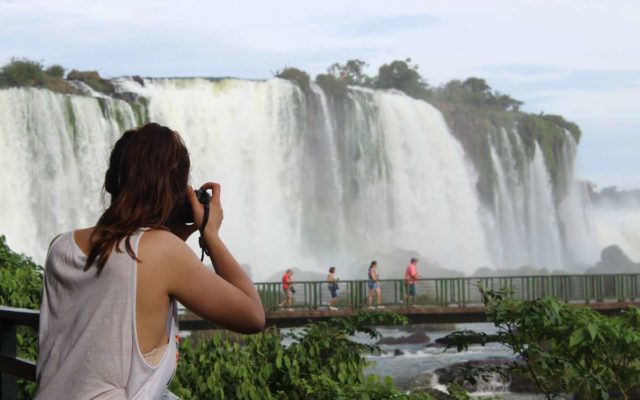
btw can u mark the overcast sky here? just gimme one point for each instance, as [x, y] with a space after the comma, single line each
[578, 58]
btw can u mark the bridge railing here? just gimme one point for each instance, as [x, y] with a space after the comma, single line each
[458, 291]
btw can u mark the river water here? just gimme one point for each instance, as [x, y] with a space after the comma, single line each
[417, 365]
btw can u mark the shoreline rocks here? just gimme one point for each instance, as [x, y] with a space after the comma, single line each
[414, 338]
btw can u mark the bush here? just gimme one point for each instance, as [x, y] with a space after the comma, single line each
[563, 348]
[296, 75]
[331, 85]
[22, 72]
[27, 73]
[401, 75]
[320, 363]
[55, 71]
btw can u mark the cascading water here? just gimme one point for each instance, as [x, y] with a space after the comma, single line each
[575, 213]
[308, 180]
[54, 151]
[305, 191]
[525, 215]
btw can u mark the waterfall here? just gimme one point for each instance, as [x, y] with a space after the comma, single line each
[308, 180]
[526, 219]
[575, 212]
[54, 152]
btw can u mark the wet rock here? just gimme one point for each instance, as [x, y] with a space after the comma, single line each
[416, 338]
[129, 97]
[398, 352]
[472, 339]
[614, 261]
[413, 328]
[456, 373]
[517, 382]
[522, 384]
[92, 79]
[422, 381]
[138, 78]
[436, 345]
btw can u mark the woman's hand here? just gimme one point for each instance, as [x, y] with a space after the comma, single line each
[215, 208]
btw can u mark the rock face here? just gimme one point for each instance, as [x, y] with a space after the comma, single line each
[93, 79]
[474, 339]
[455, 373]
[614, 260]
[415, 338]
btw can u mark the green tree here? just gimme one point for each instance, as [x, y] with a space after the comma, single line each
[22, 72]
[563, 348]
[55, 71]
[332, 85]
[352, 73]
[297, 76]
[404, 76]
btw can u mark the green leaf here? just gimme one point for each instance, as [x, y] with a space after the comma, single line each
[279, 360]
[593, 331]
[576, 338]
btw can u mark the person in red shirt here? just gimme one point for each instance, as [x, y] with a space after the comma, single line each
[410, 277]
[287, 288]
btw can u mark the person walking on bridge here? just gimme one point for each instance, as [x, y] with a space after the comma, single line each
[287, 288]
[410, 277]
[332, 280]
[374, 285]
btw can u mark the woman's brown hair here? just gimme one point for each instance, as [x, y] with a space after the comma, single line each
[147, 179]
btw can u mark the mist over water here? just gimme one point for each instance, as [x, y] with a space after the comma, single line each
[307, 180]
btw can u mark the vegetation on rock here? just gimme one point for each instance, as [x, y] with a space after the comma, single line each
[296, 75]
[93, 80]
[27, 73]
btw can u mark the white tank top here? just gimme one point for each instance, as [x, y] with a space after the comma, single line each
[87, 335]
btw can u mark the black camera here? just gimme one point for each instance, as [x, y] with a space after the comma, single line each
[182, 212]
[203, 196]
[293, 290]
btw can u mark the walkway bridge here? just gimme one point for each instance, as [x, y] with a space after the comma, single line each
[440, 300]
[447, 300]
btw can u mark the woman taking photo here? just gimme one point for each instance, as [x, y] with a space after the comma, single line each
[108, 320]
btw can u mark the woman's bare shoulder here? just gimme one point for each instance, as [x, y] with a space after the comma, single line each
[164, 248]
[162, 241]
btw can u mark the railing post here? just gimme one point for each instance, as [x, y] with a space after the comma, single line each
[8, 347]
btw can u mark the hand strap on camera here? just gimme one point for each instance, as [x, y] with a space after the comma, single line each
[205, 219]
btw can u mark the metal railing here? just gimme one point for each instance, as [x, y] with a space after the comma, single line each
[12, 367]
[354, 294]
[458, 291]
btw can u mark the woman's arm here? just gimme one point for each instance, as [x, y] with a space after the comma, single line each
[226, 297]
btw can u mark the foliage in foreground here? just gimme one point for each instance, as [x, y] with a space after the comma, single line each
[563, 348]
[21, 286]
[320, 362]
